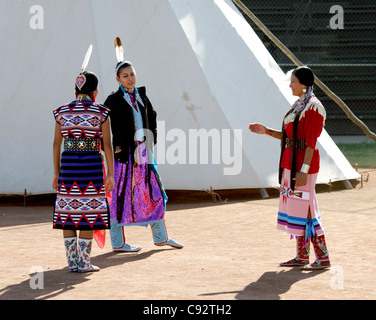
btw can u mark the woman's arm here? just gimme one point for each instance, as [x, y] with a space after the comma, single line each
[313, 125]
[58, 138]
[107, 147]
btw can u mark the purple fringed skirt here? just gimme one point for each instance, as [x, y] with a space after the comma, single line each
[130, 201]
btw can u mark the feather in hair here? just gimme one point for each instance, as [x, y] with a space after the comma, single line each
[119, 50]
[87, 58]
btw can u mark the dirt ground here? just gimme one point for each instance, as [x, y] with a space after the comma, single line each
[231, 252]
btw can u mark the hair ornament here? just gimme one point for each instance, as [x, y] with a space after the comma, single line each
[81, 79]
[119, 50]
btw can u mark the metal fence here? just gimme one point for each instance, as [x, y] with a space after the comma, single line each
[338, 41]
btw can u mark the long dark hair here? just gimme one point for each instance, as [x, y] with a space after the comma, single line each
[293, 141]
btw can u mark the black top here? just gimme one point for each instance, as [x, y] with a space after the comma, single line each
[122, 123]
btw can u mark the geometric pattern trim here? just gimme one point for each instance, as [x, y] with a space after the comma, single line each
[81, 119]
[81, 211]
[84, 221]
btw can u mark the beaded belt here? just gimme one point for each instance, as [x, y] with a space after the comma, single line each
[81, 144]
[300, 143]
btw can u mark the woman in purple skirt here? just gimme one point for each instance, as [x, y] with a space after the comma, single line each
[138, 197]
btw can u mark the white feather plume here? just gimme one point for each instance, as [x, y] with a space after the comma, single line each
[87, 58]
[119, 50]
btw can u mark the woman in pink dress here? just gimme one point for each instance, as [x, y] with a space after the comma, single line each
[298, 212]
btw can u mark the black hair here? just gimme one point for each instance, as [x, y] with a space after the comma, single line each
[90, 85]
[305, 75]
[124, 64]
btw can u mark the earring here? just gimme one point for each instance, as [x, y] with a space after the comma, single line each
[304, 90]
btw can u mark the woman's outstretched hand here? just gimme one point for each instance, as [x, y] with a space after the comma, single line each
[257, 128]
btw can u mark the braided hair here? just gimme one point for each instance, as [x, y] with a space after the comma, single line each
[305, 77]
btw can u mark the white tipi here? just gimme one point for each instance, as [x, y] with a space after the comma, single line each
[206, 73]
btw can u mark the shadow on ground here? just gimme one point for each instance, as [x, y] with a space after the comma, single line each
[271, 285]
[49, 284]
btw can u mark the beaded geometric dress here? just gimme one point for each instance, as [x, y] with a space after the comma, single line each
[81, 200]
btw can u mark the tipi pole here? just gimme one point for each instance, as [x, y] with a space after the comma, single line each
[294, 59]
